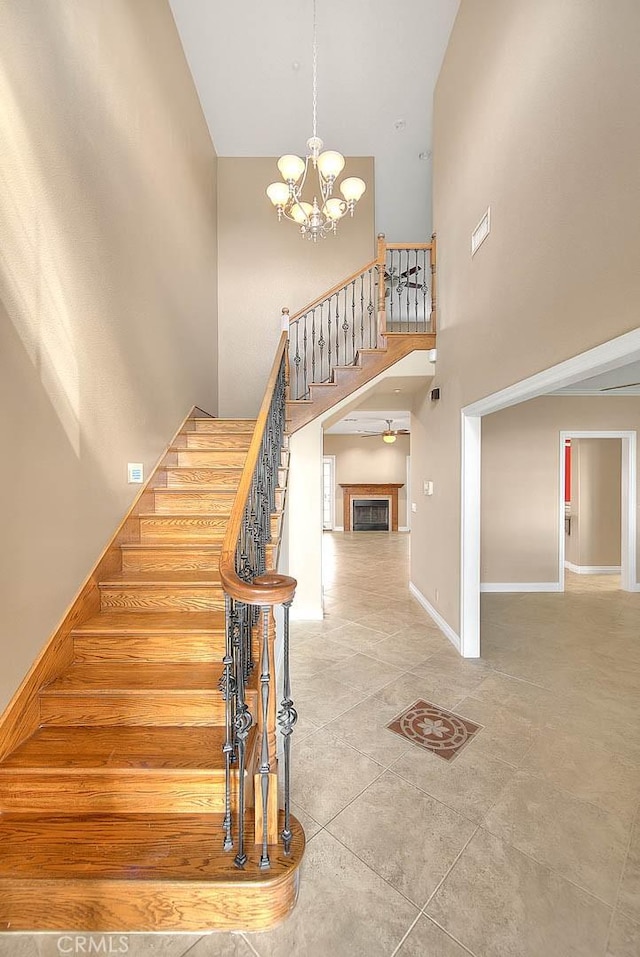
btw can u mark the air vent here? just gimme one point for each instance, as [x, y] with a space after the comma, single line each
[481, 232]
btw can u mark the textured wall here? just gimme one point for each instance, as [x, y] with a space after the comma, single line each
[537, 115]
[265, 265]
[107, 285]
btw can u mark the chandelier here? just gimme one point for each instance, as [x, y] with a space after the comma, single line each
[320, 217]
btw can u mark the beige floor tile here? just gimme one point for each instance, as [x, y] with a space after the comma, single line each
[624, 939]
[428, 940]
[344, 910]
[504, 734]
[364, 673]
[527, 700]
[469, 784]
[315, 655]
[403, 691]
[443, 671]
[589, 772]
[365, 729]
[582, 842]
[500, 903]
[322, 698]
[358, 638]
[212, 945]
[629, 898]
[328, 775]
[406, 836]
[309, 824]
[311, 629]
[406, 649]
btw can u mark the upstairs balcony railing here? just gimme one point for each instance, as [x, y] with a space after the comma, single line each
[393, 294]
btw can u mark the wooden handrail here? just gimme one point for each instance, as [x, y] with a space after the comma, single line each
[272, 588]
[330, 292]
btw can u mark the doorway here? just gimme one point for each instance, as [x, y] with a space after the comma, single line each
[328, 492]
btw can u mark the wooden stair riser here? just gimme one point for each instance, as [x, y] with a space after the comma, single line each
[113, 708]
[224, 426]
[226, 480]
[153, 597]
[156, 529]
[115, 791]
[179, 501]
[145, 648]
[186, 558]
[208, 458]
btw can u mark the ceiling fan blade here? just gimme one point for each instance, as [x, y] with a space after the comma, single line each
[627, 385]
[412, 271]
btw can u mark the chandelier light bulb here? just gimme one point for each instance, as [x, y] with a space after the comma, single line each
[291, 167]
[330, 164]
[352, 188]
[278, 193]
[301, 212]
[334, 208]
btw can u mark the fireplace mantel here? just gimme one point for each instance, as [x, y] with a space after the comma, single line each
[351, 491]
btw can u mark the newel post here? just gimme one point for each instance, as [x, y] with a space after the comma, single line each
[381, 261]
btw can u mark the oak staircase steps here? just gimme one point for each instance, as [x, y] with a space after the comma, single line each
[346, 379]
[111, 810]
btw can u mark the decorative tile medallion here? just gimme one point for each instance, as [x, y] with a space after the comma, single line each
[435, 729]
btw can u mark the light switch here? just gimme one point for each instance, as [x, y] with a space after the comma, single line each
[414, 507]
[427, 487]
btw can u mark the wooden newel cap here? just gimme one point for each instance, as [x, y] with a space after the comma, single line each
[276, 588]
[285, 311]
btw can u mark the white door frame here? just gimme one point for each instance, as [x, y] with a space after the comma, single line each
[332, 460]
[628, 503]
[610, 355]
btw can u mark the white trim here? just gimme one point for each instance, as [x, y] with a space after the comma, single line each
[403, 528]
[446, 629]
[610, 355]
[593, 569]
[337, 528]
[628, 504]
[519, 586]
[306, 614]
[331, 459]
[603, 358]
[470, 536]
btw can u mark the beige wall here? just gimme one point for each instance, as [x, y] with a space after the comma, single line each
[107, 285]
[594, 539]
[536, 115]
[520, 484]
[265, 265]
[360, 460]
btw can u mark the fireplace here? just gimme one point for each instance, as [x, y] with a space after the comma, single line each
[370, 515]
[376, 492]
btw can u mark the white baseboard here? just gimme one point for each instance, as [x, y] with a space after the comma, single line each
[403, 528]
[593, 569]
[338, 528]
[519, 586]
[444, 627]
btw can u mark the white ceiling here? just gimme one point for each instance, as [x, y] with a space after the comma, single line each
[359, 422]
[377, 67]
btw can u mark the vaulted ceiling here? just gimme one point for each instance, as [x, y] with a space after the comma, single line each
[378, 62]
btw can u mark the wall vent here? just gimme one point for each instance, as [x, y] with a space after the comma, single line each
[481, 232]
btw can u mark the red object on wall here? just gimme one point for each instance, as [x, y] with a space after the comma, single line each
[567, 471]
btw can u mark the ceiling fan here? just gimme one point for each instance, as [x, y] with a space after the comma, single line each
[400, 281]
[388, 435]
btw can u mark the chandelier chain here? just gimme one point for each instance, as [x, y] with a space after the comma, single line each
[315, 72]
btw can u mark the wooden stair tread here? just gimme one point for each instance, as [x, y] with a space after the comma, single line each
[221, 519]
[163, 578]
[132, 848]
[141, 748]
[130, 621]
[124, 677]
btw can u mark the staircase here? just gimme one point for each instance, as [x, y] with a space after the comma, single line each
[121, 783]
[360, 328]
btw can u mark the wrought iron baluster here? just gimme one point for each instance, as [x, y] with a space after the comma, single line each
[321, 342]
[337, 329]
[296, 360]
[345, 327]
[361, 342]
[304, 345]
[287, 717]
[265, 764]
[373, 293]
[389, 290]
[353, 321]
[328, 339]
[229, 693]
[242, 725]
[425, 290]
[313, 346]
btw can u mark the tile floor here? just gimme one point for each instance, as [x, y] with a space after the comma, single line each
[526, 845]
